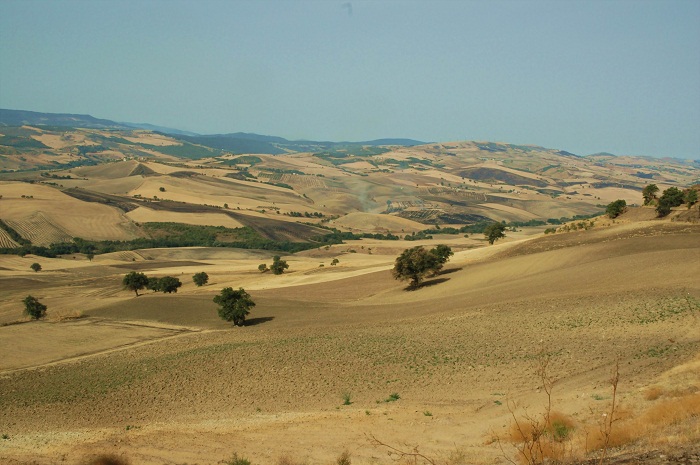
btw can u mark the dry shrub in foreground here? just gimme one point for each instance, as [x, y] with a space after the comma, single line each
[648, 425]
[653, 392]
[545, 437]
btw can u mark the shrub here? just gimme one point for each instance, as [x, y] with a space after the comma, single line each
[200, 279]
[34, 308]
[35, 266]
[672, 197]
[169, 284]
[278, 265]
[263, 268]
[616, 208]
[236, 460]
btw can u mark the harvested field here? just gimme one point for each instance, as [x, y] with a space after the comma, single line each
[6, 240]
[432, 367]
[374, 223]
[153, 265]
[146, 215]
[70, 340]
[37, 229]
[50, 215]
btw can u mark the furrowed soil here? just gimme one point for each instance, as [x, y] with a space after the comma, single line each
[333, 356]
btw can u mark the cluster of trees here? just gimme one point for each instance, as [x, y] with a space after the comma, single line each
[671, 197]
[135, 281]
[234, 305]
[416, 263]
[278, 266]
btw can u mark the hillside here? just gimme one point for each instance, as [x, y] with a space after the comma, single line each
[160, 378]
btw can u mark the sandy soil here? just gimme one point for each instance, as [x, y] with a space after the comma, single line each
[456, 351]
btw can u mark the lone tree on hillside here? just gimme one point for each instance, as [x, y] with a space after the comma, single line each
[135, 281]
[278, 265]
[335, 262]
[649, 193]
[494, 232]
[34, 308]
[168, 284]
[616, 208]
[234, 305]
[416, 263]
[200, 279]
[35, 266]
[263, 268]
[672, 197]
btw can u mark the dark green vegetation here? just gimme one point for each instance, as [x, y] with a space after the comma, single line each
[186, 150]
[135, 282]
[278, 265]
[35, 266]
[33, 307]
[616, 208]
[200, 279]
[234, 305]
[671, 197]
[495, 231]
[649, 193]
[179, 235]
[20, 142]
[169, 284]
[416, 263]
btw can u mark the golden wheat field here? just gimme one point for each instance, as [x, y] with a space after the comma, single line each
[333, 357]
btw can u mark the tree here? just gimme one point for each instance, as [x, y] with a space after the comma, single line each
[35, 266]
[263, 268]
[169, 284]
[672, 197]
[442, 252]
[34, 308]
[162, 189]
[335, 262]
[90, 256]
[494, 232]
[616, 208]
[135, 281]
[690, 197]
[234, 305]
[415, 264]
[649, 193]
[200, 279]
[278, 265]
[153, 284]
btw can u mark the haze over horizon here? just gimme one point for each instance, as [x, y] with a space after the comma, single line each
[586, 77]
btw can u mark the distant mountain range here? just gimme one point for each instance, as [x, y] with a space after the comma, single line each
[238, 142]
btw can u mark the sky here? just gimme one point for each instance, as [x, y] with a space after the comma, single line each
[582, 76]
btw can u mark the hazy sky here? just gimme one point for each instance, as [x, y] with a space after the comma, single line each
[583, 76]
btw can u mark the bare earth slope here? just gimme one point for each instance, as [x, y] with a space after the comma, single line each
[454, 352]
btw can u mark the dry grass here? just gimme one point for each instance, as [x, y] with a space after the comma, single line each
[447, 349]
[653, 393]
